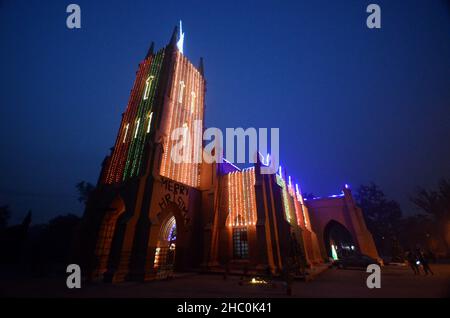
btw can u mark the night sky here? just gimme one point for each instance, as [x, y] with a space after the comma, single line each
[353, 105]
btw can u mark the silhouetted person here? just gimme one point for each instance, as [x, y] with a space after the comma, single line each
[424, 261]
[412, 262]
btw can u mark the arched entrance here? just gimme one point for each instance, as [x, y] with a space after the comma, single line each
[166, 248]
[106, 234]
[338, 240]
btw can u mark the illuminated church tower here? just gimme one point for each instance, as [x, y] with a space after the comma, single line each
[144, 200]
[168, 93]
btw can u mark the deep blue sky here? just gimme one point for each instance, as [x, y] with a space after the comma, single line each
[353, 105]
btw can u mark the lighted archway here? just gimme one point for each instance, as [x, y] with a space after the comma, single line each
[166, 245]
[338, 240]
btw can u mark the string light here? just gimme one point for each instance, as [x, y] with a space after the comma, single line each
[241, 198]
[183, 109]
[136, 147]
[137, 127]
[126, 132]
[180, 96]
[149, 122]
[128, 153]
[148, 83]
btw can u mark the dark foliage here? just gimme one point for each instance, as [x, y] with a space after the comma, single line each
[84, 190]
[436, 205]
[383, 218]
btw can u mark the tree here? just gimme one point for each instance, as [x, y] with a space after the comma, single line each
[49, 245]
[437, 205]
[418, 230]
[5, 214]
[59, 235]
[427, 201]
[383, 217]
[84, 190]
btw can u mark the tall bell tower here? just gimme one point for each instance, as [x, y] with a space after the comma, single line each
[168, 93]
[144, 198]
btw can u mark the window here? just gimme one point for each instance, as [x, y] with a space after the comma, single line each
[193, 96]
[180, 94]
[126, 132]
[148, 83]
[137, 127]
[149, 122]
[240, 243]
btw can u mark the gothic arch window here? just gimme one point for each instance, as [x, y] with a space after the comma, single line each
[165, 250]
[148, 84]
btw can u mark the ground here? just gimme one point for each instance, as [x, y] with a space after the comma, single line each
[395, 282]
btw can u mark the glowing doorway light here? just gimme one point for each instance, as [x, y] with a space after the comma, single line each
[334, 252]
[181, 38]
[156, 261]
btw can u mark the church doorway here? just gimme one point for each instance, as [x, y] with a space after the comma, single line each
[166, 248]
[338, 241]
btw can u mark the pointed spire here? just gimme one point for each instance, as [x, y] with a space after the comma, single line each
[173, 39]
[150, 50]
[180, 42]
[201, 67]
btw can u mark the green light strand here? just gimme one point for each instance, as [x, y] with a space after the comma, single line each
[137, 144]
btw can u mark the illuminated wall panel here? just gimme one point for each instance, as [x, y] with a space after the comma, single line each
[142, 121]
[239, 189]
[128, 150]
[184, 105]
[288, 203]
[294, 208]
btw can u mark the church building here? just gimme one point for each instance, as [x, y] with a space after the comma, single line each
[149, 216]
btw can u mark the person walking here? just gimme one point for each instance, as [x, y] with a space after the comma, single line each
[412, 263]
[424, 261]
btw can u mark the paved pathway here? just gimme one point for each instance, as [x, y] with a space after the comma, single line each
[395, 282]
